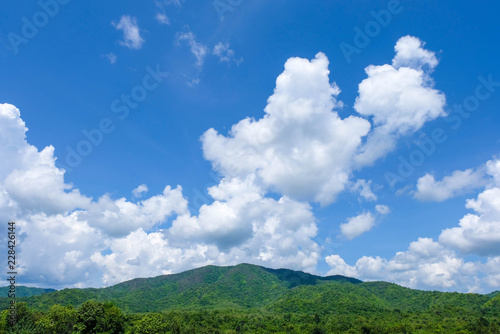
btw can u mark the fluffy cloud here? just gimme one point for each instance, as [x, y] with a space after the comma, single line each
[137, 192]
[460, 182]
[259, 229]
[358, 225]
[131, 34]
[399, 98]
[364, 189]
[301, 147]
[479, 233]
[428, 264]
[55, 250]
[425, 265]
[340, 267]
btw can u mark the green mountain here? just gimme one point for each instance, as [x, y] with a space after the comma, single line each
[241, 286]
[253, 299]
[24, 291]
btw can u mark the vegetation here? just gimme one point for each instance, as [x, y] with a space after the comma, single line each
[252, 299]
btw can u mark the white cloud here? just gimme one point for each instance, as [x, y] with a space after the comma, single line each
[301, 147]
[142, 189]
[479, 233]
[398, 97]
[382, 209]
[357, 225]
[197, 49]
[131, 34]
[162, 18]
[425, 265]
[225, 53]
[55, 250]
[120, 217]
[340, 267]
[111, 57]
[458, 183]
[410, 53]
[364, 189]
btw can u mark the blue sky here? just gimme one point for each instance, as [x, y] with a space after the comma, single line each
[264, 132]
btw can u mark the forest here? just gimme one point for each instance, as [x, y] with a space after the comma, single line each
[251, 299]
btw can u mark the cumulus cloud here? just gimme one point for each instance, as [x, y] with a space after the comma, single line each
[400, 98]
[458, 183]
[357, 225]
[479, 233]
[301, 147]
[137, 192]
[131, 34]
[339, 266]
[364, 189]
[410, 52]
[425, 265]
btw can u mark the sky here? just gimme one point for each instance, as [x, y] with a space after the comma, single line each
[358, 138]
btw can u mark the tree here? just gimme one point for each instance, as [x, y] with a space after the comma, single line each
[58, 320]
[95, 317]
[154, 323]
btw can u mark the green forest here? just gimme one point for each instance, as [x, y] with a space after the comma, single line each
[251, 299]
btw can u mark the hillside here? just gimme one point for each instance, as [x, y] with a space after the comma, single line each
[241, 286]
[252, 299]
[24, 291]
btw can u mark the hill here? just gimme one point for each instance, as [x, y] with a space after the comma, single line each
[242, 286]
[24, 291]
[253, 299]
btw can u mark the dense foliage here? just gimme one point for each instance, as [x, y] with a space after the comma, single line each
[252, 299]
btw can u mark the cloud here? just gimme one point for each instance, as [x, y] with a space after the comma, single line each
[162, 18]
[111, 57]
[399, 98]
[364, 189]
[197, 49]
[340, 267]
[428, 264]
[459, 183]
[410, 53]
[131, 34]
[225, 53]
[137, 192]
[479, 233]
[301, 148]
[425, 265]
[382, 209]
[120, 217]
[357, 225]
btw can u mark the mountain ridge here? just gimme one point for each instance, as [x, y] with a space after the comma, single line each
[246, 286]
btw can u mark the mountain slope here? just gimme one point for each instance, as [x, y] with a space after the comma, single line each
[241, 286]
[24, 291]
[279, 291]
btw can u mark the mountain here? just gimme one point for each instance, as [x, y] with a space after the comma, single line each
[246, 287]
[242, 286]
[24, 291]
